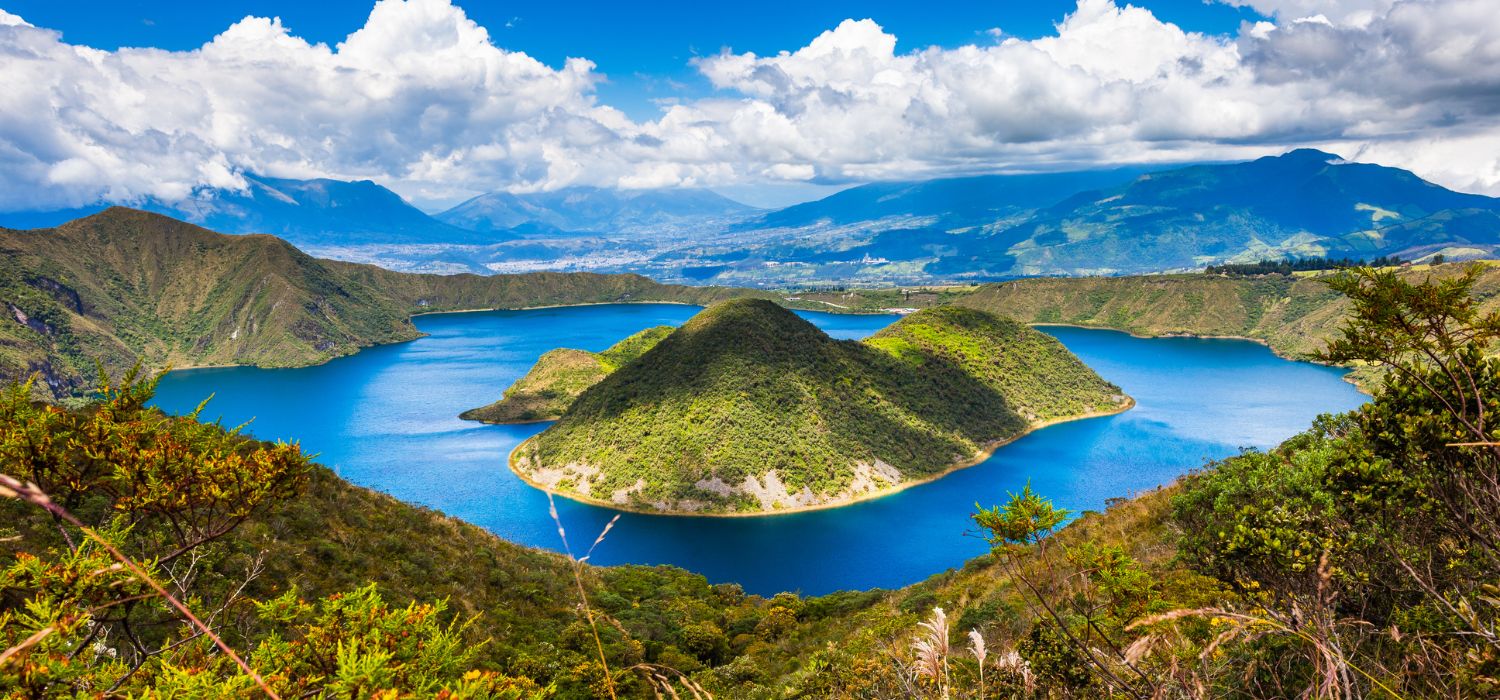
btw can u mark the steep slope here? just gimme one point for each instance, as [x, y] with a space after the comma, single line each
[748, 409]
[124, 285]
[559, 376]
[593, 209]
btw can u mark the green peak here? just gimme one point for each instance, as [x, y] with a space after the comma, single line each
[750, 408]
[747, 325]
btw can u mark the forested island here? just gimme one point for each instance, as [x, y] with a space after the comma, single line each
[748, 409]
[1372, 533]
[559, 376]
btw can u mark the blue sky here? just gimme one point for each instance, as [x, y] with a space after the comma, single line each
[770, 102]
[639, 46]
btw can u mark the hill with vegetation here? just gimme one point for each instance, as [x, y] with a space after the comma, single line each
[125, 285]
[1294, 314]
[1324, 567]
[748, 408]
[1304, 203]
[559, 376]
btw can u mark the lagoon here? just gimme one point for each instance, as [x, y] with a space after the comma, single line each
[386, 418]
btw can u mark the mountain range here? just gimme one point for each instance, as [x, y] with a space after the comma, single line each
[336, 213]
[1303, 203]
[125, 285]
[955, 230]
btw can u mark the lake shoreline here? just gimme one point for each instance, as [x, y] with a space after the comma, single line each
[980, 457]
[1348, 371]
[850, 312]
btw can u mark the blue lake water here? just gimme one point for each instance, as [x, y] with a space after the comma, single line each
[386, 418]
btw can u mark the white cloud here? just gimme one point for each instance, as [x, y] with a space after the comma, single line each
[419, 93]
[1115, 84]
[421, 98]
[1355, 13]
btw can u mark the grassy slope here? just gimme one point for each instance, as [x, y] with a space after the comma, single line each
[749, 408]
[559, 376]
[124, 285]
[335, 537]
[838, 654]
[1295, 316]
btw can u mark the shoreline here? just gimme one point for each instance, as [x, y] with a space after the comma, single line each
[984, 454]
[545, 306]
[850, 312]
[1348, 370]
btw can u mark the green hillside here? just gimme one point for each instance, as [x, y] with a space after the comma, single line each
[1293, 314]
[749, 408]
[124, 285]
[559, 376]
[1326, 566]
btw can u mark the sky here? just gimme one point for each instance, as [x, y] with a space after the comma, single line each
[770, 102]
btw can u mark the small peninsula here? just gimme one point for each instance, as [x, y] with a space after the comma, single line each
[749, 409]
[559, 376]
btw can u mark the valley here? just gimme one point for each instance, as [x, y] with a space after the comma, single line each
[458, 350]
[1107, 222]
[386, 418]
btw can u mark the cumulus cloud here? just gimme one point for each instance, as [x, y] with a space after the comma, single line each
[1116, 84]
[419, 93]
[421, 97]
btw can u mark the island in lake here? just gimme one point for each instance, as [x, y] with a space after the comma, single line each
[749, 409]
[559, 376]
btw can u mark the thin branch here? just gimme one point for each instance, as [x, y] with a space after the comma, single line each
[29, 492]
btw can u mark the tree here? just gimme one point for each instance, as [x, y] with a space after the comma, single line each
[121, 585]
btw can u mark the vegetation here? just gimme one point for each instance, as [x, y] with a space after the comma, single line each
[1286, 266]
[1295, 316]
[749, 408]
[1355, 560]
[323, 588]
[559, 376]
[124, 285]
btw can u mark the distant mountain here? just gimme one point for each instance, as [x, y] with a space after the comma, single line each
[318, 212]
[957, 201]
[1305, 202]
[749, 408]
[595, 209]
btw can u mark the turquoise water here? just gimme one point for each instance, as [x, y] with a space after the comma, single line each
[386, 418]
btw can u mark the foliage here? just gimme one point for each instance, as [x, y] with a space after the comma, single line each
[1371, 540]
[1286, 266]
[323, 586]
[1295, 316]
[748, 407]
[559, 376]
[123, 286]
